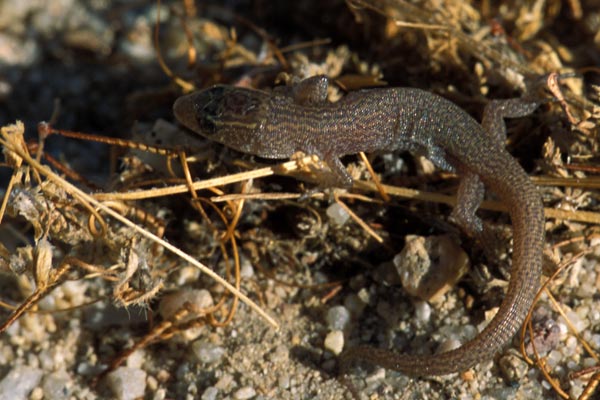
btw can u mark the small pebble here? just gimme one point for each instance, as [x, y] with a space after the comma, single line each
[15, 52]
[5, 90]
[572, 317]
[546, 385]
[210, 393]
[152, 383]
[244, 393]
[36, 394]
[57, 385]
[576, 389]
[334, 342]
[586, 289]
[280, 355]
[225, 382]
[136, 359]
[377, 376]
[137, 43]
[338, 318]
[160, 394]
[284, 382]
[19, 382]
[246, 270]
[363, 295]
[570, 345]
[594, 316]
[588, 362]
[512, 367]
[505, 393]
[171, 303]
[127, 383]
[429, 266]
[207, 353]
[354, 304]
[553, 358]
[337, 214]
[595, 340]
[422, 311]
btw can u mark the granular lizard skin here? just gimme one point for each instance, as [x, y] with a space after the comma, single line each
[280, 123]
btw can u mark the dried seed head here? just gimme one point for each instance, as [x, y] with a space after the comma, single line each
[42, 263]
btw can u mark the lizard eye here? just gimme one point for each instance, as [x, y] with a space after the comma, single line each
[206, 123]
[210, 113]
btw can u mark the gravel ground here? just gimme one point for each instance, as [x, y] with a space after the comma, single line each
[90, 66]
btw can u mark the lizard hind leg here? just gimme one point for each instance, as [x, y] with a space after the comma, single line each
[469, 197]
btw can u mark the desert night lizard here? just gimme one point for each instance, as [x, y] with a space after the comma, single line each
[281, 122]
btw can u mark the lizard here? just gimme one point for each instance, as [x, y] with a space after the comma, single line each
[277, 124]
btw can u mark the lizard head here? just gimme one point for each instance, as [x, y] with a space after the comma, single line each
[229, 115]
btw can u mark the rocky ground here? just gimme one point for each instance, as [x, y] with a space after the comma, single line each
[91, 292]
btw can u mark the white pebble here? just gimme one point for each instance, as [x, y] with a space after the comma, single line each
[225, 382]
[246, 269]
[57, 385]
[576, 321]
[207, 353]
[546, 385]
[36, 394]
[363, 295]
[284, 382]
[595, 340]
[136, 359]
[586, 289]
[160, 394]
[576, 389]
[562, 326]
[127, 383]
[376, 376]
[337, 214]
[19, 382]
[571, 344]
[588, 362]
[553, 358]
[245, 393]
[422, 311]
[338, 318]
[171, 303]
[210, 393]
[334, 342]
[594, 316]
